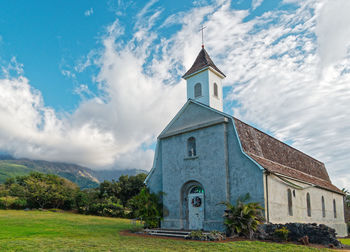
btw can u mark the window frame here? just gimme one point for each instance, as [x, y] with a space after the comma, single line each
[196, 90]
[191, 147]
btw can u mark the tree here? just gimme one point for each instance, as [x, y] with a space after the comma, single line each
[148, 207]
[43, 190]
[124, 189]
[347, 197]
[242, 219]
[130, 186]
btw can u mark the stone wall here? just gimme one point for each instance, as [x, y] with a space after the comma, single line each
[317, 234]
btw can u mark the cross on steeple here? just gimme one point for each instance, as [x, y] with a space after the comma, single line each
[202, 29]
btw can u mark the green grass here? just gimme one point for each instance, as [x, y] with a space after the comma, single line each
[345, 241]
[49, 231]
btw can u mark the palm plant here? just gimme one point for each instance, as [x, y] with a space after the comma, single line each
[347, 197]
[242, 219]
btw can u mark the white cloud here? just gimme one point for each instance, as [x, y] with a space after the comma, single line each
[68, 73]
[89, 12]
[333, 31]
[30, 129]
[256, 3]
[273, 63]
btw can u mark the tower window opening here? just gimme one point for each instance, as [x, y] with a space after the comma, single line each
[216, 90]
[334, 209]
[197, 90]
[191, 147]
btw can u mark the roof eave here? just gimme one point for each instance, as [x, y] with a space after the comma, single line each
[302, 181]
[221, 75]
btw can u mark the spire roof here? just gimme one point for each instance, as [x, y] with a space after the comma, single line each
[202, 61]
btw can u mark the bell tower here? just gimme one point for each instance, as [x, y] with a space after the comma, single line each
[204, 81]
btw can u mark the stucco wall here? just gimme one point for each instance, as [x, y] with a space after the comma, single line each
[202, 78]
[215, 102]
[207, 168]
[278, 205]
[155, 181]
[245, 175]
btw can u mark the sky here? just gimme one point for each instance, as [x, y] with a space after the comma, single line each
[95, 82]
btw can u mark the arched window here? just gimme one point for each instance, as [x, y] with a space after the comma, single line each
[323, 207]
[196, 189]
[216, 90]
[308, 204]
[191, 147]
[334, 209]
[197, 90]
[290, 202]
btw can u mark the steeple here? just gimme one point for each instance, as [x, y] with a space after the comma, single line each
[204, 81]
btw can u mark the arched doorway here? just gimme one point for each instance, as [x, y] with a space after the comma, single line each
[195, 207]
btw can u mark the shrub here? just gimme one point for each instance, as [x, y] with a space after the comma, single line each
[242, 219]
[281, 234]
[110, 207]
[11, 202]
[201, 236]
[197, 235]
[19, 203]
[348, 224]
[148, 207]
[216, 236]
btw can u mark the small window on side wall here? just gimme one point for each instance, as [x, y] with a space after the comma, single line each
[323, 207]
[290, 202]
[335, 209]
[191, 147]
[197, 90]
[216, 94]
[308, 204]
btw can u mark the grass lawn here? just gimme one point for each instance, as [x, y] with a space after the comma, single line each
[345, 241]
[47, 231]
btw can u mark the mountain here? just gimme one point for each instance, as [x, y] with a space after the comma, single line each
[103, 175]
[84, 177]
[5, 156]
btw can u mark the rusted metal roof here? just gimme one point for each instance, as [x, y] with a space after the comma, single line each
[202, 61]
[278, 157]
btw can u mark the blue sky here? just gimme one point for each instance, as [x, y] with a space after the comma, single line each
[94, 82]
[51, 37]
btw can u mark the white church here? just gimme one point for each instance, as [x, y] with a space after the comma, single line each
[205, 156]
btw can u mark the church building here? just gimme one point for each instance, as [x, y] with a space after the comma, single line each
[205, 156]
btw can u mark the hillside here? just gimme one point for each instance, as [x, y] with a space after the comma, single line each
[82, 176]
